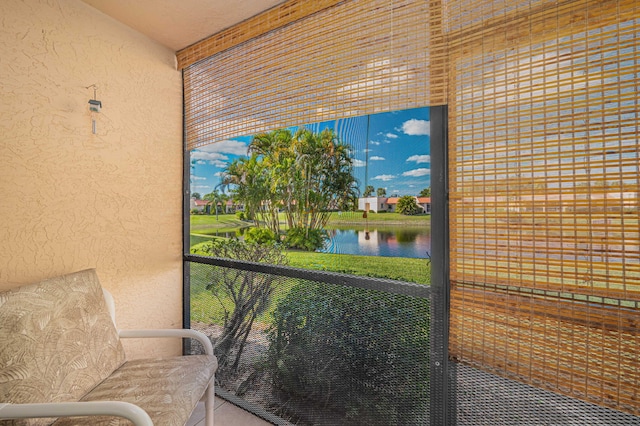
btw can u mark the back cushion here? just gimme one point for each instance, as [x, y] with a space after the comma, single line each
[57, 340]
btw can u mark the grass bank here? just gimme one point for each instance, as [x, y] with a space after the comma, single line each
[205, 227]
[355, 218]
[210, 224]
[395, 268]
[205, 307]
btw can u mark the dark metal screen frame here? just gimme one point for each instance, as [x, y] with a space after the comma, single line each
[186, 205]
[442, 377]
[439, 265]
[379, 284]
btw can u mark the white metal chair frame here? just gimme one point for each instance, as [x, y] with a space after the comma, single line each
[114, 408]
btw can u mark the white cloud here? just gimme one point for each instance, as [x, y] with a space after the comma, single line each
[211, 157]
[198, 178]
[420, 158]
[384, 178]
[376, 158]
[392, 135]
[358, 163]
[228, 146]
[207, 187]
[415, 127]
[374, 142]
[417, 172]
[201, 162]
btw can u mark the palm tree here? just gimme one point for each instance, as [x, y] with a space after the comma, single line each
[215, 198]
[245, 177]
[305, 173]
[324, 176]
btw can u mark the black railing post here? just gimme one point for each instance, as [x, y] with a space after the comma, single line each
[443, 398]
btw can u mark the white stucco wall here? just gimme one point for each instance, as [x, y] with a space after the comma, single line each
[374, 203]
[71, 199]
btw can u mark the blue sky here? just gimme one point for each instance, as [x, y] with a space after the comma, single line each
[396, 157]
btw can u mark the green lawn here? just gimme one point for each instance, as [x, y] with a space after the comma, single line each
[395, 268]
[206, 308]
[201, 223]
[355, 218]
[205, 227]
[209, 224]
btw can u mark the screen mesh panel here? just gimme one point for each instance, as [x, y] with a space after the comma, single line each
[544, 195]
[485, 399]
[353, 59]
[317, 352]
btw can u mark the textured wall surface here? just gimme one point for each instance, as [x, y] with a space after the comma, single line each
[71, 199]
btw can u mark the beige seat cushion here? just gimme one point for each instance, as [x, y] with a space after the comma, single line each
[168, 389]
[57, 341]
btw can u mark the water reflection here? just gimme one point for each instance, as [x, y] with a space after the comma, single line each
[389, 241]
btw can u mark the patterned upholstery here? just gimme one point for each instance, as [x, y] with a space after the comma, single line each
[59, 344]
[168, 389]
[58, 341]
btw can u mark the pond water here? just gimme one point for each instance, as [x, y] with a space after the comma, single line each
[389, 241]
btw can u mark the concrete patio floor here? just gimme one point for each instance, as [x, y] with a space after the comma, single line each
[226, 414]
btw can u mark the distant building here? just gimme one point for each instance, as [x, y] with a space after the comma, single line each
[199, 205]
[371, 204]
[389, 204]
[424, 203]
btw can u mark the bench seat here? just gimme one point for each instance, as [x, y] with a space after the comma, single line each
[60, 345]
[166, 388]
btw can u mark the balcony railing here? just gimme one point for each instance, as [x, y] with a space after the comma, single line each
[332, 349]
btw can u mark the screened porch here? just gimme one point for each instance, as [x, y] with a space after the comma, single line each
[524, 309]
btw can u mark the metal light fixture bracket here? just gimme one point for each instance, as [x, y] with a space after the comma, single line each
[94, 104]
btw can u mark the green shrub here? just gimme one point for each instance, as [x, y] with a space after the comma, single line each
[260, 236]
[202, 249]
[240, 215]
[305, 238]
[243, 295]
[361, 353]
[407, 205]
